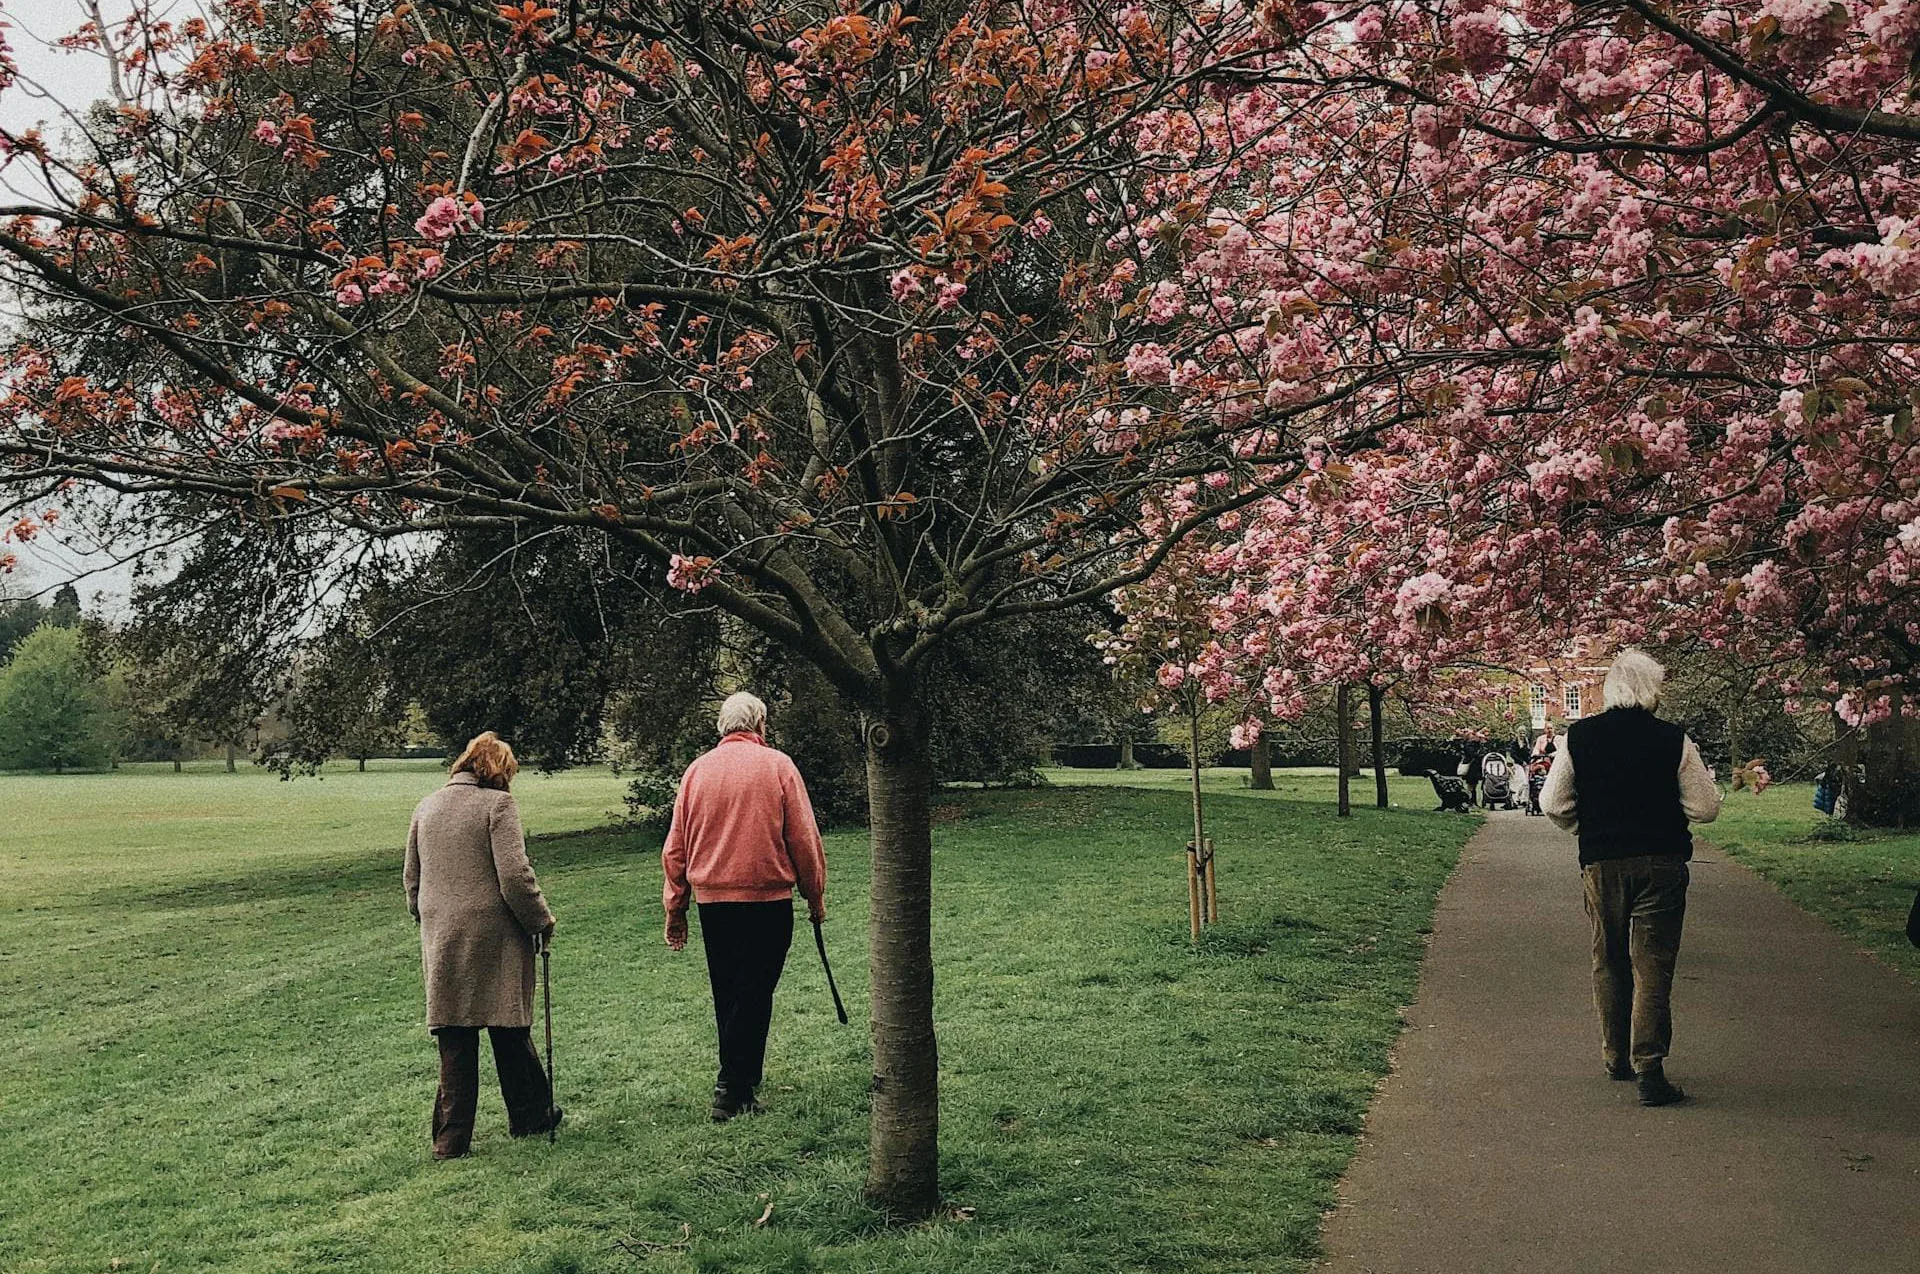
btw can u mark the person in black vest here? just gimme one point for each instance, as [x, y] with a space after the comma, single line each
[1628, 784]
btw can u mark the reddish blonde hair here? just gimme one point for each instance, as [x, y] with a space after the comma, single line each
[489, 759]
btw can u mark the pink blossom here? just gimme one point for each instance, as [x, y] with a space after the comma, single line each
[1804, 18]
[446, 217]
[1165, 303]
[440, 221]
[950, 294]
[1149, 363]
[1422, 593]
[689, 574]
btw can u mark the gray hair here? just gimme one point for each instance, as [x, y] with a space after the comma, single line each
[742, 712]
[1634, 681]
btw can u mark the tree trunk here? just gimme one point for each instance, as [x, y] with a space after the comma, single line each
[903, 1161]
[232, 755]
[176, 763]
[1199, 884]
[1343, 727]
[1890, 797]
[1126, 754]
[1262, 759]
[1376, 712]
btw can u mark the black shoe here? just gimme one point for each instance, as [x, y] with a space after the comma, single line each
[728, 1104]
[539, 1129]
[1623, 1071]
[1657, 1090]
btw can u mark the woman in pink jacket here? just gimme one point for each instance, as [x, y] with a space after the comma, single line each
[743, 841]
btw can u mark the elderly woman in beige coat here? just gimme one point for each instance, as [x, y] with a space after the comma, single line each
[470, 886]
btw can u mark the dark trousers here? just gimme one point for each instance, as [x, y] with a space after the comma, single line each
[523, 1083]
[1637, 906]
[746, 945]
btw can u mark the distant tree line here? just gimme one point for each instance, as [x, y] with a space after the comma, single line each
[533, 637]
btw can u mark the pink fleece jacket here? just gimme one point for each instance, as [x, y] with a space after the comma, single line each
[743, 830]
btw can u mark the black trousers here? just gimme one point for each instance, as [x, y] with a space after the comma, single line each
[523, 1084]
[746, 945]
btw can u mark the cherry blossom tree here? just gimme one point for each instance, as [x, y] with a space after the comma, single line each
[1164, 648]
[1333, 585]
[833, 314]
[1675, 242]
[1627, 293]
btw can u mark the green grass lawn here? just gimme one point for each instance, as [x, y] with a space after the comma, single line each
[1862, 887]
[1307, 783]
[216, 1060]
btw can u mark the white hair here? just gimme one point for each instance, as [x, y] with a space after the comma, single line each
[1634, 681]
[742, 712]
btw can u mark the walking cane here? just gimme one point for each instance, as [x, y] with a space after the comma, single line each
[820, 941]
[546, 1001]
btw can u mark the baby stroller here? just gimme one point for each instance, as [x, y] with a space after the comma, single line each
[1496, 782]
[1536, 780]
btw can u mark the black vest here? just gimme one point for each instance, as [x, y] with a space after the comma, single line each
[1626, 779]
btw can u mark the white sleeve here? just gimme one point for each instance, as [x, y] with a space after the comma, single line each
[1557, 797]
[1699, 794]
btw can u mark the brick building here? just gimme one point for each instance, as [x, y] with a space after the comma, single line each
[1564, 690]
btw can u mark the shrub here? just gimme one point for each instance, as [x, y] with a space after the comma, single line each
[649, 800]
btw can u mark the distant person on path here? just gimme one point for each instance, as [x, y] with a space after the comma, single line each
[1628, 784]
[743, 839]
[1546, 744]
[1469, 769]
[470, 886]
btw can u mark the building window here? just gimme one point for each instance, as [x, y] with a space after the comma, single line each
[1571, 701]
[1537, 703]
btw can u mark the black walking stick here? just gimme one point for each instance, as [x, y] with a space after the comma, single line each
[820, 941]
[546, 1000]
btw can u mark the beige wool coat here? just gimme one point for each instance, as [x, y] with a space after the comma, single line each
[470, 886]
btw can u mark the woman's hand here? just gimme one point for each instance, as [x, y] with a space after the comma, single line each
[677, 932]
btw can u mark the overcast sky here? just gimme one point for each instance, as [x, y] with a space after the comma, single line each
[55, 85]
[61, 80]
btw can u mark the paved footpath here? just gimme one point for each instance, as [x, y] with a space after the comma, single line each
[1498, 1145]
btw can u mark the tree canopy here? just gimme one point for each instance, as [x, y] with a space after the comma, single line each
[53, 705]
